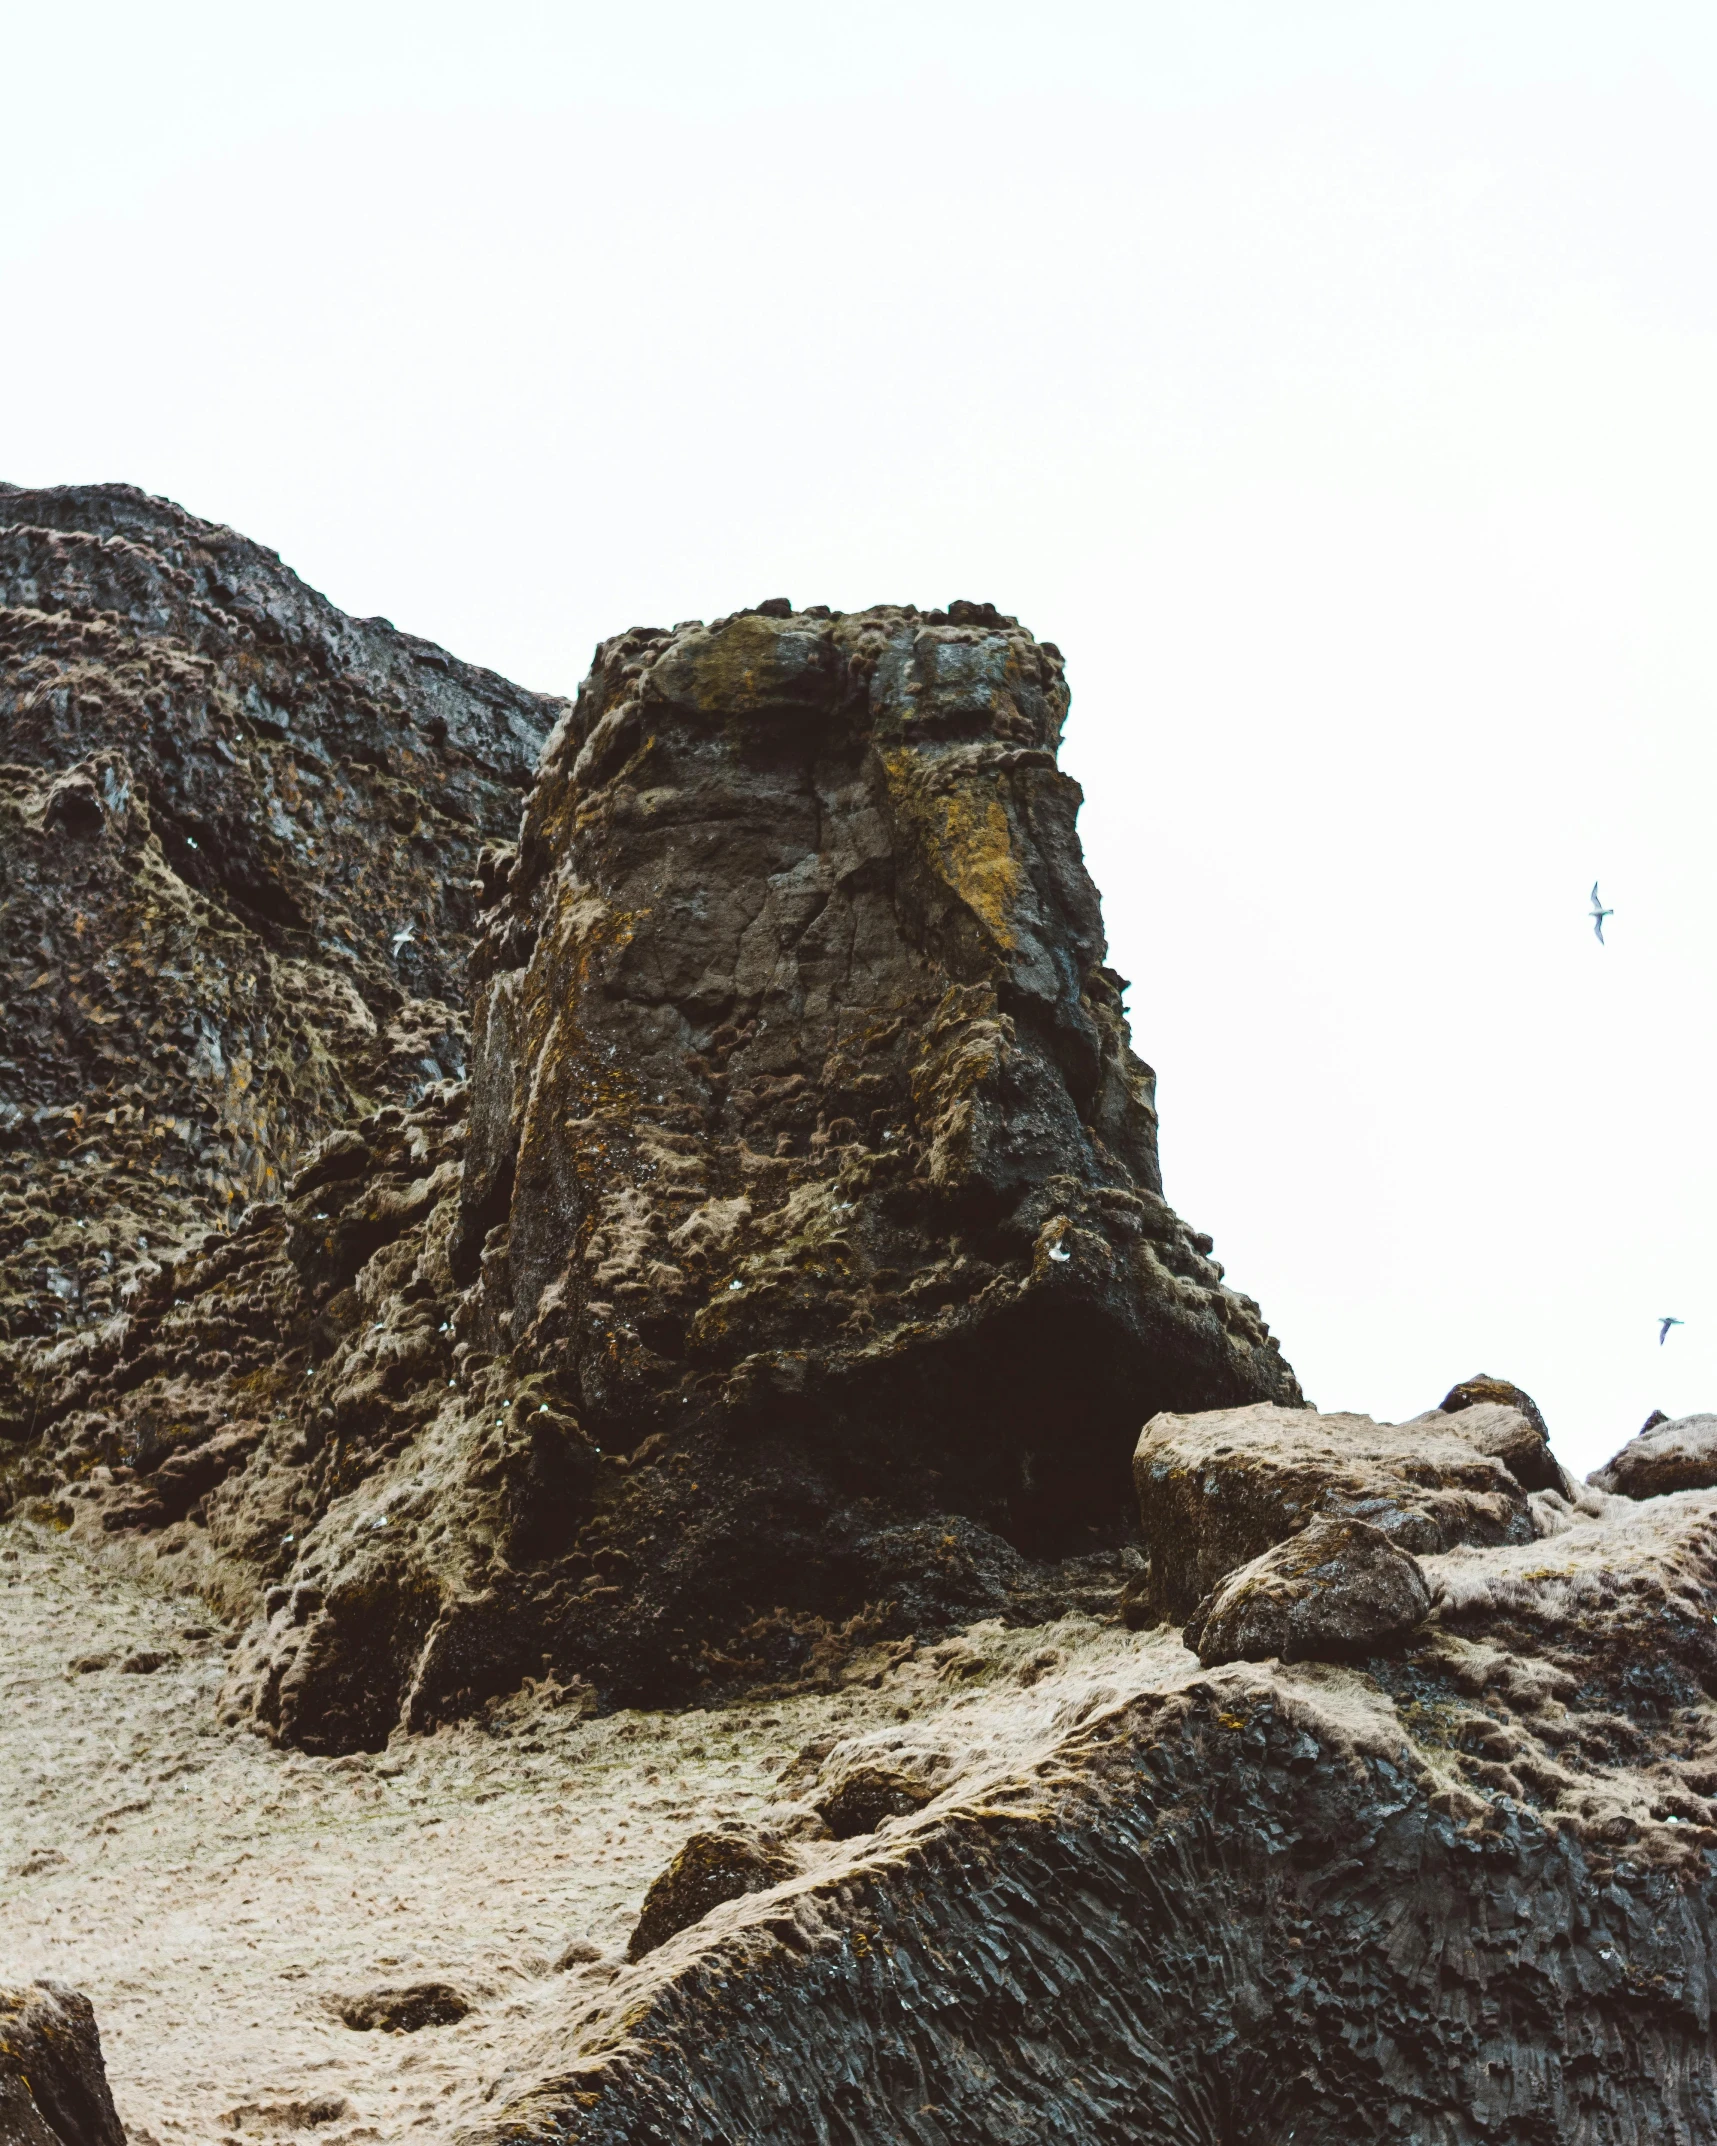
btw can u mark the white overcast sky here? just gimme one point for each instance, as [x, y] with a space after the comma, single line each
[1337, 384]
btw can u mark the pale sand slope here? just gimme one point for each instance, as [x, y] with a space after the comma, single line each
[210, 1894]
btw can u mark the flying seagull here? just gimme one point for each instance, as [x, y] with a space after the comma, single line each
[407, 933]
[1663, 1327]
[1599, 912]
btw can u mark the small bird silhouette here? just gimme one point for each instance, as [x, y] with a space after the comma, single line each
[404, 937]
[1599, 912]
[1663, 1327]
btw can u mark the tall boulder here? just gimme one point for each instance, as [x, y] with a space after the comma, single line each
[810, 1269]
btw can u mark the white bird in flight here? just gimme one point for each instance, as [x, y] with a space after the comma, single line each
[404, 937]
[1663, 1327]
[1599, 912]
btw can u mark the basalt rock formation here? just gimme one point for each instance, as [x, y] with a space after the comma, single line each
[807, 1268]
[53, 2084]
[794, 1268]
[1457, 1889]
[241, 839]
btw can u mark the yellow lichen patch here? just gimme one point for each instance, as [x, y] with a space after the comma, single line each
[739, 670]
[966, 833]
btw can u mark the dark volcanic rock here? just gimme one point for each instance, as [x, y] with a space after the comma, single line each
[404, 2009]
[711, 1868]
[1338, 1590]
[808, 1273]
[1256, 1906]
[1501, 1419]
[53, 2084]
[240, 849]
[797, 1270]
[1665, 1456]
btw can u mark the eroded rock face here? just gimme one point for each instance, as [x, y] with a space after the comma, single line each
[1338, 1590]
[1219, 1489]
[240, 849]
[53, 2084]
[1665, 1457]
[807, 1272]
[805, 1124]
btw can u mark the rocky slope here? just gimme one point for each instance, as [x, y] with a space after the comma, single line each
[757, 1321]
[794, 1271]
[1459, 1886]
[240, 845]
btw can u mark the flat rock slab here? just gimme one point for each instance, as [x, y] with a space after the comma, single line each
[1681, 1455]
[1338, 1590]
[1218, 1489]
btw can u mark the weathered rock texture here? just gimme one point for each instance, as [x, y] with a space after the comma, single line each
[1666, 1456]
[241, 840]
[1217, 1490]
[53, 2084]
[1337, 1590]
[798, 1271]
[1458, 1894]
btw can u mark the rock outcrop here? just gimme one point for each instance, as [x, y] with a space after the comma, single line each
[796, 1270]
[1457, 1892]
[1666, 1456]
[241, 847]
[53, 2084]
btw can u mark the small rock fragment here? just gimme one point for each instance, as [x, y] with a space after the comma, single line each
[867, 1795]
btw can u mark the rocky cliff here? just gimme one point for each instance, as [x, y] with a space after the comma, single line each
[757, 1304]
[240, 839]
[794, 1269]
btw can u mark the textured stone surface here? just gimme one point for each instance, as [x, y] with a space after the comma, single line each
[798, 1271]
[1458, 1895]
[240, 841]
[1666, 1456]
[403, 2008]
[53, 2084]
[1498, 1417]
[1218, 1489]
[1337, 1590]
[711, 1868]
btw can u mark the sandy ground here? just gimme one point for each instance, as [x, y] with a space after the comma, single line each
[212, 1895]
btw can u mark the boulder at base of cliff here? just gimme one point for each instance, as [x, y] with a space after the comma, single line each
[1665, 1456]
[1217, 1490]
[1337, 1591]
[53, 2084]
